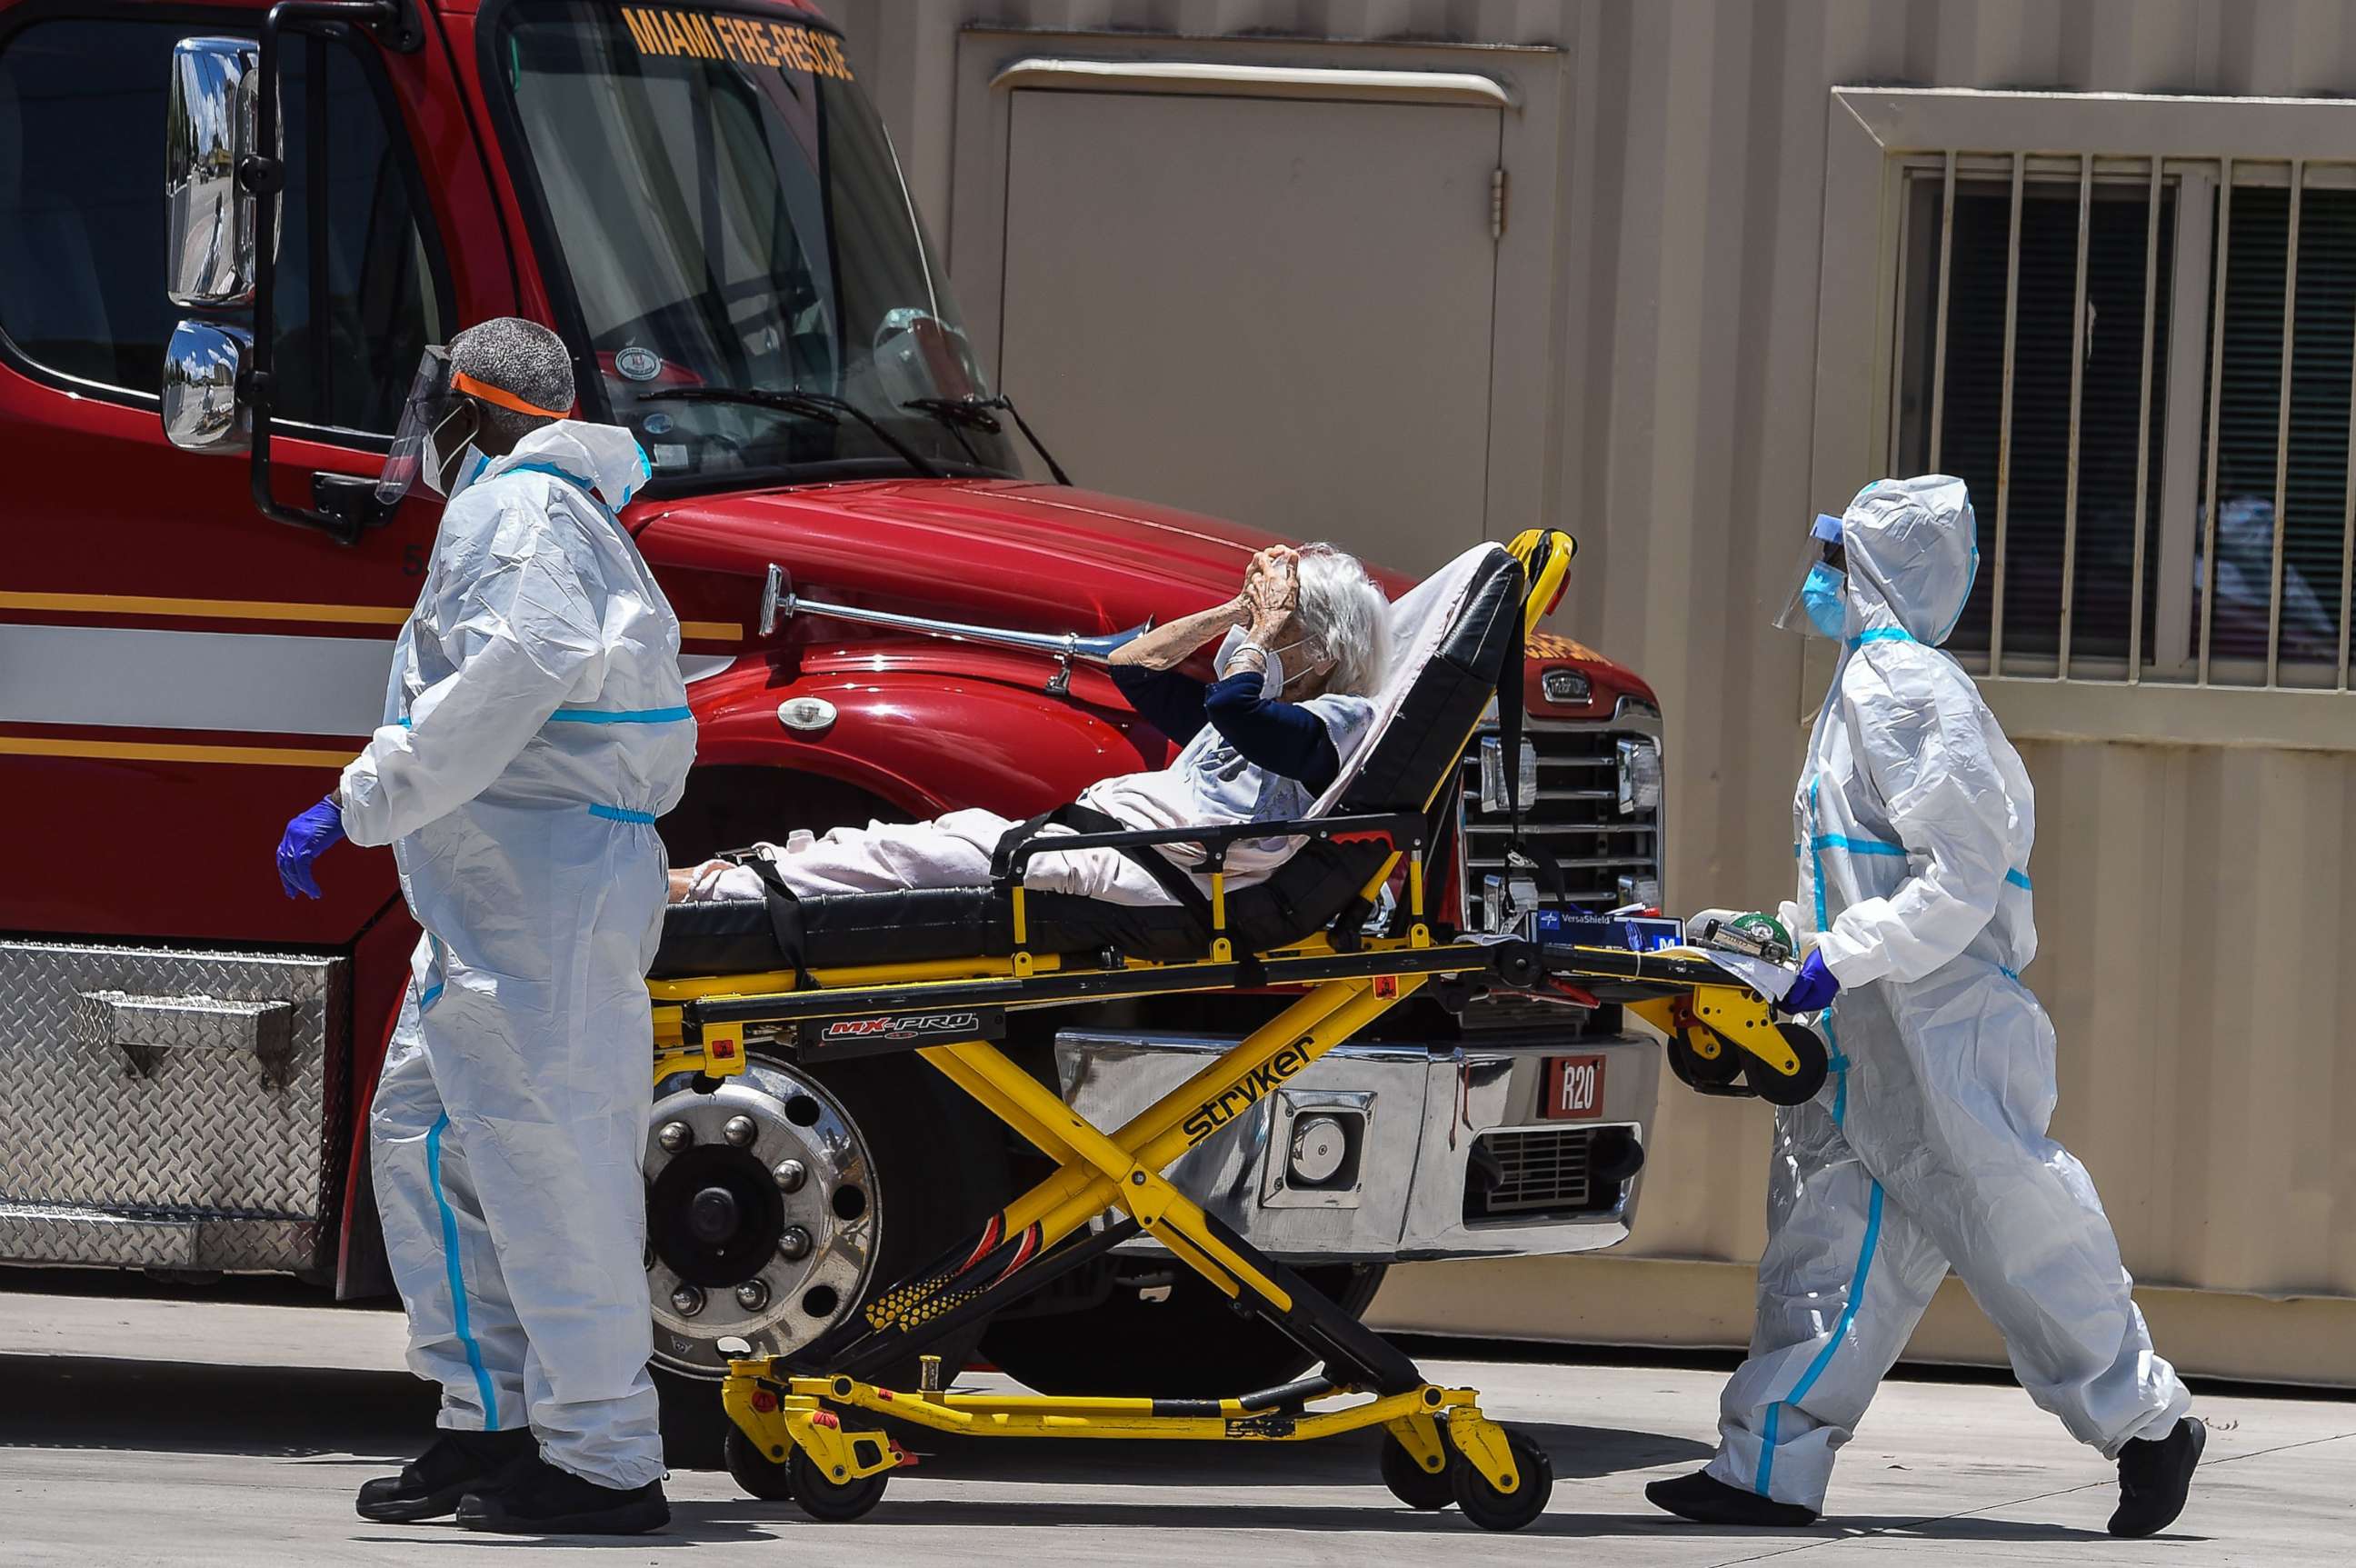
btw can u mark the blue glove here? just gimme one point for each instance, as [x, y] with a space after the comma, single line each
[307, 837]
[1813, 989]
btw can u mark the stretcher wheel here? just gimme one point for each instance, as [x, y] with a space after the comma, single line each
[826, 1499]
[1490, 1508]
[1801, 1087]
[1696, 1071]
[1410, 1483]
[769, 1479]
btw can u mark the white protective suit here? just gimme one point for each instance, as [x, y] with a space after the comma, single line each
[1927, 1147]
[535, 727]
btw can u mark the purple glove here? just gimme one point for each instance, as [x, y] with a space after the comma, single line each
[307, 837]
[1813, 989]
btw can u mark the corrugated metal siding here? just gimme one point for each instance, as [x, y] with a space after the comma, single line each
[2194, 910]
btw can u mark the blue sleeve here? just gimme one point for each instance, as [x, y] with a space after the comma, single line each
[1282, 737]
[1168, 700]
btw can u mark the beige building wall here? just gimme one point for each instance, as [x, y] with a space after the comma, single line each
[2193, 900]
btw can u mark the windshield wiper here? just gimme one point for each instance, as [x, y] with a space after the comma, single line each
[824, 407]
[962, 413]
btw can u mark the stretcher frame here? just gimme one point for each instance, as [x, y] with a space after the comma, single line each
[789, 1411]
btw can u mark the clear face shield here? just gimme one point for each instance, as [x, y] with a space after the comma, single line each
[437, 423]
[1818, 605]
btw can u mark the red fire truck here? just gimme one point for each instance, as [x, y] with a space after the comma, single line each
[201, 365]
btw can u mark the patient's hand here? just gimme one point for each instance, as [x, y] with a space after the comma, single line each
[1273, 585]
[682, 883]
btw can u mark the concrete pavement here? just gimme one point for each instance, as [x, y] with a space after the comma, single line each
[201, 1432]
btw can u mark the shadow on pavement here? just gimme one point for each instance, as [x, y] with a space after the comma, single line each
[68, 1401]
[77, 1403]
[1579, 1453]
[72, 1402]
[64, 1401]
[710, 1520]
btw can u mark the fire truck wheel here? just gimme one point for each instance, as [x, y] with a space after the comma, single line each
[897, 1168]
[1191, 1344]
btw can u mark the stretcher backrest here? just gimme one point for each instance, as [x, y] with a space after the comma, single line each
[1451, 635]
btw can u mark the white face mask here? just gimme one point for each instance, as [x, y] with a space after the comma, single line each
[470, 462]
[1271, 679]
[468, 458]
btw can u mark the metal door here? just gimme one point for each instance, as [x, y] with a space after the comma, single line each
[1276, 310]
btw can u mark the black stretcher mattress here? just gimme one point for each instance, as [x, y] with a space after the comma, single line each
[738, 936]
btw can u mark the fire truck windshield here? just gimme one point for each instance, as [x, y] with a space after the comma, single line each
[730, 216]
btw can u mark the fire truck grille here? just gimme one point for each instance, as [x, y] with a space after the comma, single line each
[1516, 1174]
[1576, 818]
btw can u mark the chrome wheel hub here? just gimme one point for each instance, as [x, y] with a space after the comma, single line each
[761, 1216]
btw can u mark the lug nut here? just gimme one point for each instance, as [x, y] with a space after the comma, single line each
[675, 1136]
[739, 1130]
[794, 1244]
[686, 1301]
[790, 1174]
[753, 1295]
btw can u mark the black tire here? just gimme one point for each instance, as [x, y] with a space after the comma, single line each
[925, 1138]
[1426, 1490]
[1490, 1508]
[1192, 1346]
[771, 1480]
[828, 1500]
[1702, 1073]
[1802, 1086]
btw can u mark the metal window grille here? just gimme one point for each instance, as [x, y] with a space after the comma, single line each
[2145, 369]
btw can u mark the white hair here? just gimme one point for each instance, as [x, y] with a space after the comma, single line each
[1345, 618]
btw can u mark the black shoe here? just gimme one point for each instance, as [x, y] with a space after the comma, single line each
[431, 1485]
[540, 1500]
[2155, 1477]
[1705, 1499]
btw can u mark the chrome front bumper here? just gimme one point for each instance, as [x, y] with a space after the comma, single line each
[1412, 1121]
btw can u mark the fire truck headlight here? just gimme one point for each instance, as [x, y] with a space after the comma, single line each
[1640, 774]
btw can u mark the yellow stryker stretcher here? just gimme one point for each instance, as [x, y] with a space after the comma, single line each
[810, 977]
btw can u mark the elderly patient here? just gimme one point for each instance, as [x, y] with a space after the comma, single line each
[1303, 658]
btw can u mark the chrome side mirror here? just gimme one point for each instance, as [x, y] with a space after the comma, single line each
[209, 131]
[202, 412]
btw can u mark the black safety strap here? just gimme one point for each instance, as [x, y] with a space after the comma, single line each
[785, 915]
[1081, 818]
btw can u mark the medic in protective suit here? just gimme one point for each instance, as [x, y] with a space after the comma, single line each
[1927, 1147]
[535, 727]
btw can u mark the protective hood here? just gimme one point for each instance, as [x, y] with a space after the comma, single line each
[1913, 550]
[606, 458]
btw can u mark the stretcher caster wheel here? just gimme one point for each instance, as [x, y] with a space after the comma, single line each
[769, 1479]
[1706, 1074]
[826, 1499]
[1801, 1087]
[1410, 1483]
[1490, 1508]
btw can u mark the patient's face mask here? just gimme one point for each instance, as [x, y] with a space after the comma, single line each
[1272, 679]
[1818, 605]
